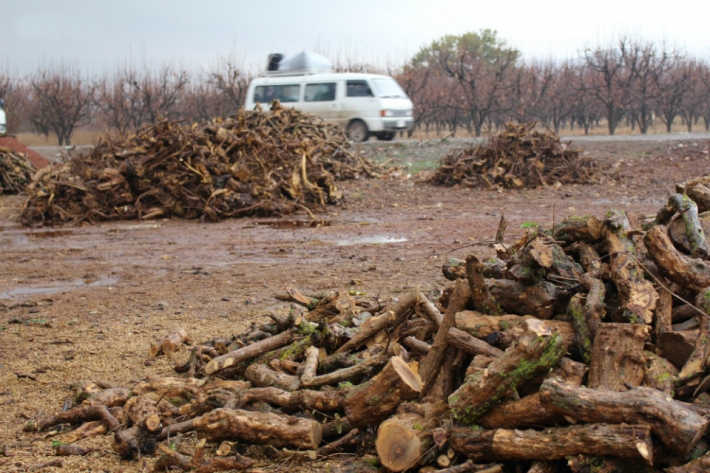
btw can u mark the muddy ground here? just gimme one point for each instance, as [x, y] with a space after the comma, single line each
[82, 303]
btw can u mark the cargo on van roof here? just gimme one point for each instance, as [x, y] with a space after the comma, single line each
[364, 105]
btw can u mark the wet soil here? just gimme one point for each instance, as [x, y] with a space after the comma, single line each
[82, 303]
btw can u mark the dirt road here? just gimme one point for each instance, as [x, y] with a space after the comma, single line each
[81, 303]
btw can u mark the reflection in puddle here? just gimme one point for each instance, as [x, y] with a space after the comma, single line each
[290, 224]
[51, 234]
[62, 286]
[370, 240]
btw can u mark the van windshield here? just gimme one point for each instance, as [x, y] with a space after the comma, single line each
[388, 88]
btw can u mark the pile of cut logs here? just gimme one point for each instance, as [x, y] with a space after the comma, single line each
[579, 348]
[517, 156]
[254, 163]
[16, 171]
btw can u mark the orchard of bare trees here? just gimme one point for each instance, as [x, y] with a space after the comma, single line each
[471, 83]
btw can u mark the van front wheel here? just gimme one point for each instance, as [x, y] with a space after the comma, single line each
[357, 131]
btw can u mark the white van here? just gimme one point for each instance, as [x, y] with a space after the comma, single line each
[3, 118]
[363, 104]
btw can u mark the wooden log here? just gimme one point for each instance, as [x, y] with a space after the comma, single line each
[430, 366]
[472, 345]
[638, 295]
[372, 401]
[527, 412]
[416, 345]
[403, 439]
[597, 464]
[170, 459]
[688, 211]
[311, 364]
[617, 356]
[663, 320]
[249, 352]
[691, 273]
[87, 429]
[131, 443]
[259, 427]
[429, 310]
[143, 412]
[574, 229]
[78, 415]
[111, 397]
[539, 299]
[676, 347]
[375, 325]
[624, 441]
[262, 376]
[536, 351]
[594, 307]
[507, 327]
[697, 361]
[698, 465]
[660, 374]
[483, 301]
[677, 427]
[700, 194]
[301, 400]
[170, 343]
[453, 269]
[582, 339]
[365, 368]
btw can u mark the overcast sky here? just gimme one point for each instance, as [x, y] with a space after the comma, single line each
[99, 36]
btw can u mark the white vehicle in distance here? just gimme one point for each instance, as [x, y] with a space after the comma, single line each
[364, 105]
[3, 118]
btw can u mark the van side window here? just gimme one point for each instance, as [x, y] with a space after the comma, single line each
[358, 88]
[324, 92]
[284, 93]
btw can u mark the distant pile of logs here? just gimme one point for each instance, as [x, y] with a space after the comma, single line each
[254, 163]
[580, 348]
[516, 157]
[16, 171]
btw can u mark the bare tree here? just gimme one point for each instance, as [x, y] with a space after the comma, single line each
[60, 100]
[231, 82]
[675, 86]
[14, 93]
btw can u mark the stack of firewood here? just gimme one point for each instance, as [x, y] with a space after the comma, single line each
[16, 171]
[254, 163]
[578, 348]
[517, 156]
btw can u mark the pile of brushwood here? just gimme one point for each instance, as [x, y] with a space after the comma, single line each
[16, 171]
[255, 163]
[516, 157]
[577, 348]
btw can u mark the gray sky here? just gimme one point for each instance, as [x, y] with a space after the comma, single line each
[99, 36]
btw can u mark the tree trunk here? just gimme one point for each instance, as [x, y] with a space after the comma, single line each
[249, 352]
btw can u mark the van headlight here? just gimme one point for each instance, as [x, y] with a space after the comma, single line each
[386, 113]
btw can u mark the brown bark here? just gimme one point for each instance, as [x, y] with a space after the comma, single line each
[404, 438]
[617, 356]
[416, 345]
[700, 194]
[262, 376]
[597, 464]
[374, 400]
[310, 366]
[260, 428]
[482, 299]
[688, 211]
[109, 397]
[429, 310]
[143, 412]
[660, 374]
[582, 343]
[67, 450]
[691, 273]
[625, 441]
[699, 465]
[638, 296]
[303, 399]
[249, 352]
[346, 374]
[429, 368]
[663, 320]
[538, 299]
[197, 464]
[78, 415]
[508, 327]
[697, 361]
[573, 229]
[470, 344]
[170, 344]
[131, 443]
[678, 427]
[87, 429]
[536, 351]
[527, 412]
[676, 347]
[594, 308]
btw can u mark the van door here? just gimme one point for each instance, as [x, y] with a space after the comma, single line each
[358, 101]
[319, 99]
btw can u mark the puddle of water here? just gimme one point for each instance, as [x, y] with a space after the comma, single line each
[370, 240]
[292, 224]
[51, 234]
[59, 287]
